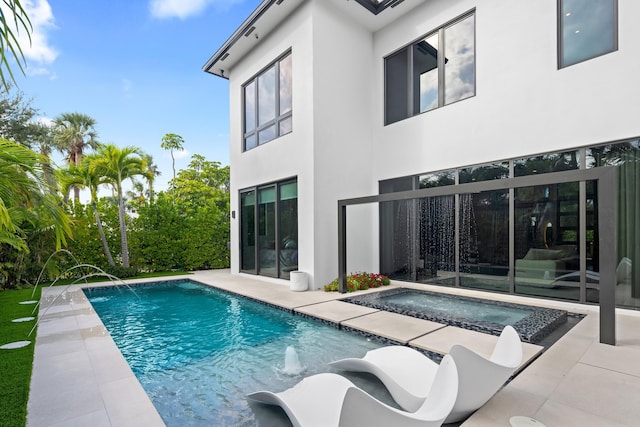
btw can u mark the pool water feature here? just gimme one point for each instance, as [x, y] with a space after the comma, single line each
[532, 323]
[198, 351]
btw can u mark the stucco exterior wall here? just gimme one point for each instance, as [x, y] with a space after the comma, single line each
[340, 147]
[287, 156]
[524, 104]
[329, 149]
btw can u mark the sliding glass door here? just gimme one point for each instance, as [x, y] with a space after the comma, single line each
[247, 231]
[269, 229]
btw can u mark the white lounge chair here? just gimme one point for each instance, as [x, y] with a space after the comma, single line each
[408, 374]
[328, 400]
[623, 276]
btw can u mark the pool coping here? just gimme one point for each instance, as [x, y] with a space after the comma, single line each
[93, 385]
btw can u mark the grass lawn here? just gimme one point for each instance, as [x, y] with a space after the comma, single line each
[16, 364]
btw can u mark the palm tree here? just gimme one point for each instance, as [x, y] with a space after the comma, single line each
[150, 174]
[25, 201]
[43, 139]
[118, 165]
[171, 142]
[73, 133]
[136, 193]
[84, 176]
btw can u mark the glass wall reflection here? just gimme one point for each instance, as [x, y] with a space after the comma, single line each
[626, 157]
[555, 237]
[484, 240]
[397, 240]
[288, 228]
[267, 231]
[547, 259]
[247, 231]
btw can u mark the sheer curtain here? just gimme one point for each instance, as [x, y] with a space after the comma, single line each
[629, 216]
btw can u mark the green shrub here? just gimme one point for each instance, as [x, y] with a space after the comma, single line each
[121, 272]
[360, 282]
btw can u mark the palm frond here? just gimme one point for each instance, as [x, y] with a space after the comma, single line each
[9, 41]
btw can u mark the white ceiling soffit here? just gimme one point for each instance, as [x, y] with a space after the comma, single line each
[270, 13]
[376, 17]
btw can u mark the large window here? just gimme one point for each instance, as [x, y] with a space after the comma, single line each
[269, 229]
[267, 104]
[539, 238]
[434, 71]
[586, 29]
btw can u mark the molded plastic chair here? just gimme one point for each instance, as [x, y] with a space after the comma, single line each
[327, 400]
[409, 375]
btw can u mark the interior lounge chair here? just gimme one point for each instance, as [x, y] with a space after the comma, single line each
[408, 374]
[328, 400]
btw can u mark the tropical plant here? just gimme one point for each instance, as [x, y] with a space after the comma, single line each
[157, 235]
[16, 21]
[186, 227]
[74, 132]
[86, 244]
[117, 165]
[85, 176]
[172, 142]
[203, 180]
[27, 207]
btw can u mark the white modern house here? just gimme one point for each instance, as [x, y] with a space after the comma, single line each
[479, 130]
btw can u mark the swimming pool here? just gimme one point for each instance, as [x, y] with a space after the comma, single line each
[488, 316]
[197, 351]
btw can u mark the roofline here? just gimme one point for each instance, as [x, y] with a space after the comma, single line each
[243, 28]
[370, 5]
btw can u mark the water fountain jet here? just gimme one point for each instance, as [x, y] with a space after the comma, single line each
[292, 364]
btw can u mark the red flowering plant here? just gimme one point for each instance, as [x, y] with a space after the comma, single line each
[360, 282]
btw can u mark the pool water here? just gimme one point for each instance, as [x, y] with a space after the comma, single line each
[198, 351]
[481, 315]
[460, 308]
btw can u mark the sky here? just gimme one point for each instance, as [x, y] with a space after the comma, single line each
[135, 66]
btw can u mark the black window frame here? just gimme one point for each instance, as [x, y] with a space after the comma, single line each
[441, 61]
[279, 118]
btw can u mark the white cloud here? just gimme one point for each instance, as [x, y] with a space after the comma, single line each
[37, 50]
[177, 154]
[40, 71]
[183, 9]
[45, 121]
[42, 20]
[181, 154]
[176, 8]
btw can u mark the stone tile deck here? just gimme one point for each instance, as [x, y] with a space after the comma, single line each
[80, 378]
[393, 326]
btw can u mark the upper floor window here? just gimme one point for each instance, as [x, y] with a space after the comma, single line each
[267, 104]
[587, 28]
[434, 71]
